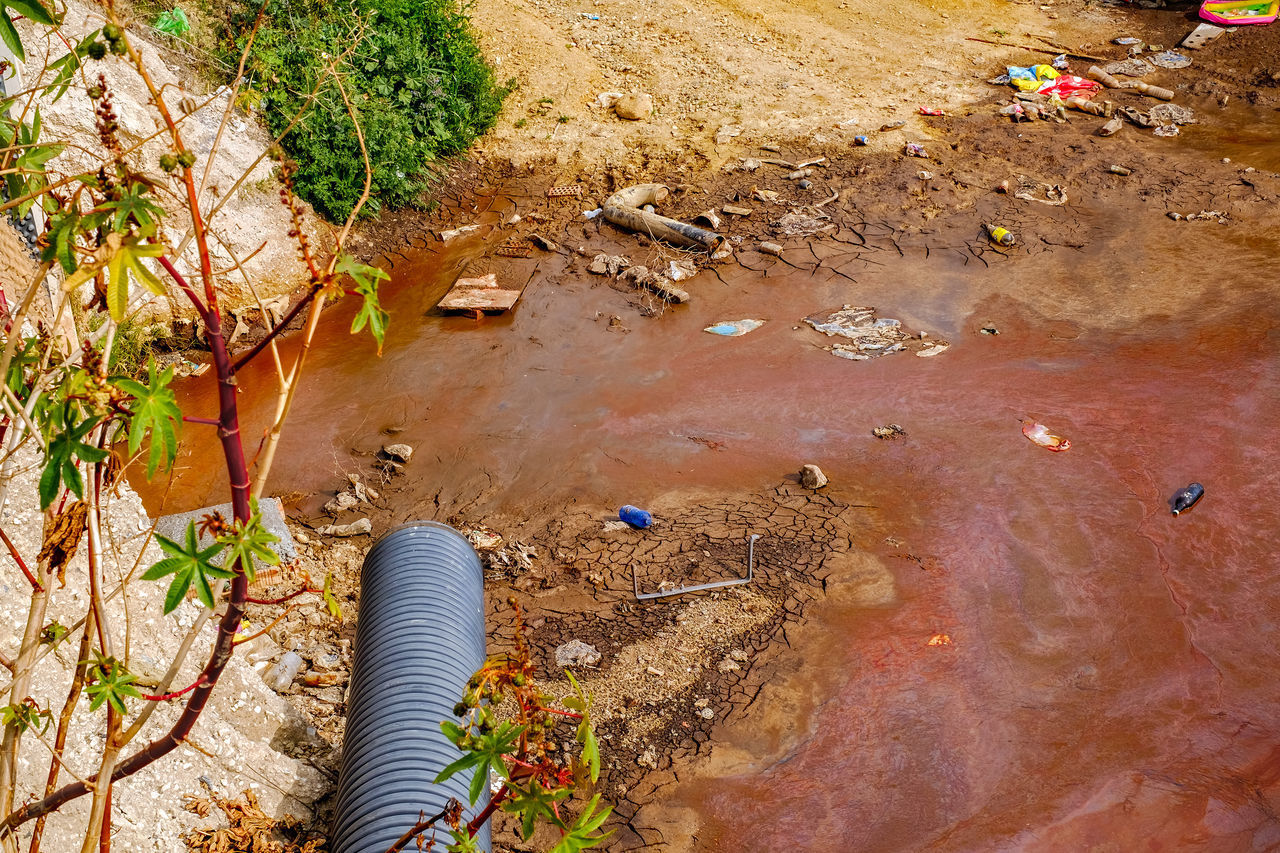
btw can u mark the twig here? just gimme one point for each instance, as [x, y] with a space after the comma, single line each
[1038, 49]
[17, 558]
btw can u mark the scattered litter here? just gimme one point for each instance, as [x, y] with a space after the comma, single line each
[771, 249]
[1112, 127]
[805, 184]
[933, 349]
[1201, 36]
[860, 140]
[615, 526]
[989, 330]
[924, 175]
[543, 243]
[589, 16]
[606, 100]
[750, 164]
[1039, 434]
[1204, 215]
[1029, 78]
[764, 195]
[565, 192]
[482, 537]
[1169, 59]
[729, 131]
[798, 174]
[608, 264]
[1186, 498]
[1172, 113]
[173, 23]
[914, 149]
[1130, 67]
[446, 236]
[591, 214]
[709, 217]
[870, 337]
[513, 250]
[654, 282]
[635, 516]
[480, 295]
[998, 235]
[1060, 62]
[893, 125]
[799, 223]
[1236, 13]
[1166, 130]
[888, 432]
[681, 270]
[1054, 196]
[1119, 170]
[1126, 41]
[931, 111]
[1069, 86]
[939, 640]
[734, 328]
[733, 210]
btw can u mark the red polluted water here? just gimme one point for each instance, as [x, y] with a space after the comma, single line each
[1062, 665]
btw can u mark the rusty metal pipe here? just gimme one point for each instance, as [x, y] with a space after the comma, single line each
[623, 210]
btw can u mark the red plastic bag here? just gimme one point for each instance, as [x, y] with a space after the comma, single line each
[1069, 86]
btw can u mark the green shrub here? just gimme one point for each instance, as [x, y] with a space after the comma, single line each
[417, 79]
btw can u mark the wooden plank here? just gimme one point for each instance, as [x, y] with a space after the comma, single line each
[480, 299]
[479, 294]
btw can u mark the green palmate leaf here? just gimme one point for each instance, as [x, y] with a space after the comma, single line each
[63, 229]
[533, 803]
[25, 715]
[582, 835]
[462, 841]
[153, 412]
[371, 314]
[189, 565]
[30, 9]
[66, 449]
[108, 680]
[249, 540]
[128, 259]
[133, 205]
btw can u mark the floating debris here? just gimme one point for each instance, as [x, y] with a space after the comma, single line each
[565, 192]
[870, 337]
[888, 432]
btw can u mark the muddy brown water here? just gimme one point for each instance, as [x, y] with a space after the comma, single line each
[1109, 683]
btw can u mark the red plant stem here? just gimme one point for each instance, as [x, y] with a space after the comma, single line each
[473, 825]
[288, 597]
[275, 332]
[17, 558]
[175, 694]
[186, 288]
[233, 452]
[419, 827]
[562, 713]
[206, 421]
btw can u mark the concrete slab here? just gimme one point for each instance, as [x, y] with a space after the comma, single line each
[175, 526]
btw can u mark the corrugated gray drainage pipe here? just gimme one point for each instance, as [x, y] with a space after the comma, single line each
[419, 638]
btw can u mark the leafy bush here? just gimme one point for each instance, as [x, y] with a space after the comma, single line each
[416, 77]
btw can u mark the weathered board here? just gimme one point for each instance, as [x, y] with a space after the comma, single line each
[479, 294]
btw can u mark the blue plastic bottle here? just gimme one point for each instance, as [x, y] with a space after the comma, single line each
[635, 516]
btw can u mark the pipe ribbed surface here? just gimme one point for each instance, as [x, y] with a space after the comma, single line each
[419, 638]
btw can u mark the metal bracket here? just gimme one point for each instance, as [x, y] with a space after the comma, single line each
[751, 566]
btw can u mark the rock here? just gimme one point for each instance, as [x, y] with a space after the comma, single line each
[358, 527]
[343, 501]
[771, 249]
[750, 164]
[888, 431]
[811, 477]
[729, 131]
[577, 653]
[634, 107]
[707, 714]
[398, 452]
[648, 758]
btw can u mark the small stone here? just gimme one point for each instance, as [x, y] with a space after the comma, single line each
[653, 670]
[577, 653]
[707, 714]
[343, 501]
[727, 666]
[729, 131]
[398, 452]
[634, 107]
[738, 655]
[811, 477]
[648, 758]
[321, 679]
[771, 248]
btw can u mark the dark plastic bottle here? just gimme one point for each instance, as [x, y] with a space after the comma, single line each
[635, 516]
[1186, 498]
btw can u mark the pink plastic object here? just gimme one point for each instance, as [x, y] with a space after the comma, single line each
[1039, 433]
[1233, 13]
